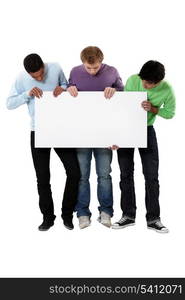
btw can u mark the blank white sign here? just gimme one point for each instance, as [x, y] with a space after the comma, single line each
[90, 120]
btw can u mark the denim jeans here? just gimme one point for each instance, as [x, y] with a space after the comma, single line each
[150, 164]
[103, 159]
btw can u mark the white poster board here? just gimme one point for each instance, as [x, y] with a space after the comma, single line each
[90, 120]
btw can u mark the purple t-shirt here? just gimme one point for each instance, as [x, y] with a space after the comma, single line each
[107, 76]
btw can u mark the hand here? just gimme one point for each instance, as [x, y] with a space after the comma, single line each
[36, 92]
[113, 147]
[146, 105]
[149, 107]
[73, 91]
[57, 91]
[109, 92]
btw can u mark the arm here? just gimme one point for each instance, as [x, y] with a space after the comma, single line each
[72, 89]
[62, 84]
[62, 80]
[168, 109]
[17, 96]
[149, 107]
[117, 86]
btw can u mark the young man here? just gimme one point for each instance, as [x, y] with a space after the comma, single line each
[27, 89]
[161, 102]
[93, 75]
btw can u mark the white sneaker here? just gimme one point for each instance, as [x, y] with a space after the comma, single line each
[105, 219]
[84, 221]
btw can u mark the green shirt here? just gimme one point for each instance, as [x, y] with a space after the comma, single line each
[161, 96]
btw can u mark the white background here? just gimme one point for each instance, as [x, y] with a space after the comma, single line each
[129, 33]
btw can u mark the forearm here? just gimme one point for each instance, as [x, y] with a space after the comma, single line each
[15, 101]
[63, 81]
[64, 86]
[165, 113]
[154, 110]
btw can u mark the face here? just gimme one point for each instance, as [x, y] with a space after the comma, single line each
[39, 75]
[92, 69]
[149, 85]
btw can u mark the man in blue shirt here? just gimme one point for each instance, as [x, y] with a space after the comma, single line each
[30, 85]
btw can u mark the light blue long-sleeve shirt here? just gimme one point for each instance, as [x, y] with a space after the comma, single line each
[19, 94]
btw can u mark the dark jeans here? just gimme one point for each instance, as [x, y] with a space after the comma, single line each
[150, 163]
[41, 160]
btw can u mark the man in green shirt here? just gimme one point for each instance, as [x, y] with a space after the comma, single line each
[161, 102]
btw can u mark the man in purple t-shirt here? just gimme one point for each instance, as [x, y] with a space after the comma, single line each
[92, 75]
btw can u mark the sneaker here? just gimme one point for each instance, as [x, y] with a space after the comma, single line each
[68, 224]
[84, 221]
[105, 219]
[122, 223]
[45, 225]
[158, 227]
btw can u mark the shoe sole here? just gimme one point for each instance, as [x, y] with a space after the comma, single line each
[159, 231]
[121, 227]
[68, 227]
[44, 229]
[106, 225]
[85, 226]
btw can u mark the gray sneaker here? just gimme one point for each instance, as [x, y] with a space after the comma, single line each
[158, 227]
[84, 221]
[105, 219]
[123, 222]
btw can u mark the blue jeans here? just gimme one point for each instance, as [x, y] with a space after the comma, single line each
[103, 159]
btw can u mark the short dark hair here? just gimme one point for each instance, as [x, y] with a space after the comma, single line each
[91, 55]
[33, 63]
[152, 71]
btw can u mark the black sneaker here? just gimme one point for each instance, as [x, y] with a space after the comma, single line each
[68, 224]
[122, 223]
[158, 226]
[46, 225]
